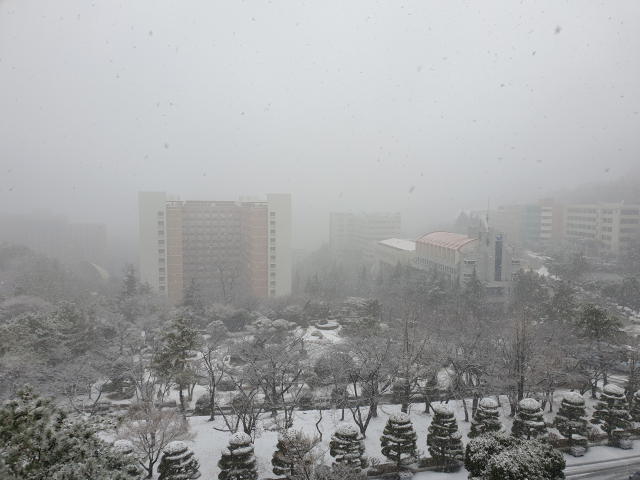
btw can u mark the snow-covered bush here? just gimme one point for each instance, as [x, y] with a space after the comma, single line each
[612, 413]
[529, 422]
[571, 419]
[131, 466]
[294, 454]
[497, 457]
[238, 461]
[178, 463]
[444, 440]
[399, 439]
[486, 419]
[202, 406]
[347, 447]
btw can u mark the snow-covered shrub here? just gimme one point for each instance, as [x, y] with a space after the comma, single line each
[347, 447]
[399, 439]
[529, 422]
[238, 461]
[293, 451]
[612, 412]
[571, 419]
[486, 419]
[444, 440]
[125, 447]
[498, 457]
[178, 463]
[202, 406]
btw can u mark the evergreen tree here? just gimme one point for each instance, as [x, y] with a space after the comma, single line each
[191, 298]
[612, 412]
[529, 422]
[294, 457]
[130, 463]
[562, 306]
[178, 463]
[177, 342]
[634, 411]
[39, 441]
[474, 295]
[347, 447]
[399, 439]
[486, 418]
[444, 440]
[571, 418]
[238, 461]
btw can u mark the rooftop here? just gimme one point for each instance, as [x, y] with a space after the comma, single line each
[446, 239]
[399, 244]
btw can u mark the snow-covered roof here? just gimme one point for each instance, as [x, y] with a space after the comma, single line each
[446, 239]
[399, 244]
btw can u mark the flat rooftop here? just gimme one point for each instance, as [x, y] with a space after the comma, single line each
[399, 244]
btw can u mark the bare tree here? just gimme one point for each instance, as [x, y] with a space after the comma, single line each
[210, 347]
[150, 429]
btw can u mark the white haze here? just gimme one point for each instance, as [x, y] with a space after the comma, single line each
[421, 107]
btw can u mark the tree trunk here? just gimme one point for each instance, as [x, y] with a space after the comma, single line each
[466, 411]
[212, 405]
[181, 395]
[474, 404]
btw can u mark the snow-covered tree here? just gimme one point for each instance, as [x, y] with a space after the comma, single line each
[238, 461]
[571, 418]
[444, 440]
[40, 441]
[131, 465]
[347, 447]
[399, 439]
[612, 412]
[178, 463]
[529, 422]
[295, 457]
[634, 410]
[486, 418]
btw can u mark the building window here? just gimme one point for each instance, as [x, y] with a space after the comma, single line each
[273, 274]
[273, 249]
[273, 214]
[160, 242]
[273, 265]
[273, 232]
[273, 223]
[273, 258]
[161, 261]
[161, 251]
[161, 270]
[160, 224]
[162, 279]
[273, 240]
[160, 214]
[161, 233]
[161, 288]
[273, 283]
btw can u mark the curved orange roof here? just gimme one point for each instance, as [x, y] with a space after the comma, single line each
[446, 239]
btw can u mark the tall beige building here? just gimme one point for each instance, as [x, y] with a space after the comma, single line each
[228, 247]
[601, 228]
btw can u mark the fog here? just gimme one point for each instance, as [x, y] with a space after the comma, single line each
[426, 108]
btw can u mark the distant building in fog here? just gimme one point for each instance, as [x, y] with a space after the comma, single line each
[52, 235]
[388, 253]
[456, 256]
[601, 228]
[361, 231]
[223, 245]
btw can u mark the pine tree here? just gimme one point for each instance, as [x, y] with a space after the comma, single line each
[486, 419]
[399, 439]
[38, 440]
[634, 410]
[131, 464]
[529, 422]
[571, 418]
[347, 447]
[238, 461]
[178, 463]
[294, 457]
[444, 440]
[612, 411]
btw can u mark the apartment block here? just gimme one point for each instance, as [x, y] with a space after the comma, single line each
[362, 231]
[228, 247]
[601, 228]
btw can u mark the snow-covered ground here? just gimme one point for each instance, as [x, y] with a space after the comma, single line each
[209, 441]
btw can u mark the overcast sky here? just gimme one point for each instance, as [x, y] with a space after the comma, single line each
[422, 107]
